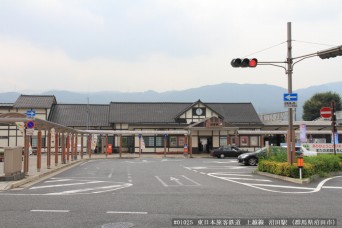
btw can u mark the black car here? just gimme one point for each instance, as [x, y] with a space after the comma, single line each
[253, 158]
[227, 151]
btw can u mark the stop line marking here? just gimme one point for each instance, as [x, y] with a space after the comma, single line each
[58, 211]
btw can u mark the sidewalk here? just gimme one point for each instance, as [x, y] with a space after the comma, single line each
[34, 175]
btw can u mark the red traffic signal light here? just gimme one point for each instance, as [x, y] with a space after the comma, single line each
[244, 62]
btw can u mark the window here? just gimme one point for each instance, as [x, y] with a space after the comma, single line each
[223, 140]
[35, 141]
[180, 141]
[149, 141]
[127, 141]
[173, 141]
[254, 141]
[159, 141]
[244, 141]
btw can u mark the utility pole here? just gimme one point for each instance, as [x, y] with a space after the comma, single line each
[289, 71]
[290, 62]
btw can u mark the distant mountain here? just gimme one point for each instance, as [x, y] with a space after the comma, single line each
[265, 98]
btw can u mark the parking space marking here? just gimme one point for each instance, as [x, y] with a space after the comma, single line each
[176, 181]
[319, 187]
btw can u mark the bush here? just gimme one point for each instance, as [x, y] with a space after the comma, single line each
[321, 165]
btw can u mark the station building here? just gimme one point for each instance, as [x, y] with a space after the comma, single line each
[199, 126]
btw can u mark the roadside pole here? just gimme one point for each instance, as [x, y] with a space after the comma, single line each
[291, 146]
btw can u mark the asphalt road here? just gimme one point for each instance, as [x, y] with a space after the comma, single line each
[152, 192]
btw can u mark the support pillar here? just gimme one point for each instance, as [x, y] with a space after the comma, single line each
[49, 150]
[76, 146]
[72, 146]
[39, 151]
[82, 139]
[63, 149]
[68, 147]
[120, 146]
[26, 153]
[56, 147]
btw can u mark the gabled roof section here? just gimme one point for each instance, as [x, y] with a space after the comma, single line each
[236, 113]
[212, 122]
[35, 101]
[145, 112]
[193, 105]
[80, 115]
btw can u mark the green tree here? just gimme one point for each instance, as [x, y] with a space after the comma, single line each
[312, 107]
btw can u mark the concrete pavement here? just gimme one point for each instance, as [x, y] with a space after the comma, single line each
[35, 175]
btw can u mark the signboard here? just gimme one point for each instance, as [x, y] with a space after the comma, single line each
[29, 131]
[303, 138]
[30, 124]
[290, 97]
[290, 100]
[323, 147]
[30, 114]
[325, 112]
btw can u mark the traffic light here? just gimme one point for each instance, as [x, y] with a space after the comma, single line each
[330, 53]
[244, 62]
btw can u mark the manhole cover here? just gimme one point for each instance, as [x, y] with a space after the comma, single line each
[118, 225]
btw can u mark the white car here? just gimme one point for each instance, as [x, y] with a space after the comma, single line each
[304, 151]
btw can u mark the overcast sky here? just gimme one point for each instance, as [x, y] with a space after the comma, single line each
[162, 45]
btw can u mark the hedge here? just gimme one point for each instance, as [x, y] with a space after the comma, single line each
[321, 165]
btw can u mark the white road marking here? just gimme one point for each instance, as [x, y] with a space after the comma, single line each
[236, 174]
[111, 173]
[317, 189]
[248, 179]
[63, 185]
[84, 163]
[176, 180]
[281, 186]
[127, 212]
[161, 181]
[202, 173]
[59, 180]
[219, 167]
[332, 187]
[59, 211]
[198, 184]
[220, 162]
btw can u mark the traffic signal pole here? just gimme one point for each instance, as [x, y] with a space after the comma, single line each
[325, 54]
[289, 71]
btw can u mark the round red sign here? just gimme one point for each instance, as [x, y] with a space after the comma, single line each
[326, 112]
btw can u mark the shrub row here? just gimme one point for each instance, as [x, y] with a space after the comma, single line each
[321, 165]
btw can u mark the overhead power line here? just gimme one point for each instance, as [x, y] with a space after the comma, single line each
[265, 49]
[321, 44]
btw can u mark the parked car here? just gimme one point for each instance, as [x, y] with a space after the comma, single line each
[253, 157]
[302, 151]
[227, 151]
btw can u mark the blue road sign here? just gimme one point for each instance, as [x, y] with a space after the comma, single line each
[30, 124]
[30, 113]
[290, 97]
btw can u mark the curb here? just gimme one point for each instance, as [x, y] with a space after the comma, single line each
[41, 175]
[289, 179]
[297, 181]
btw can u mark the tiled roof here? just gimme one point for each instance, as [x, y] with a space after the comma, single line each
[76, 115]
[236, 113]
[35, 101]
[6, 105]
[130, 112]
